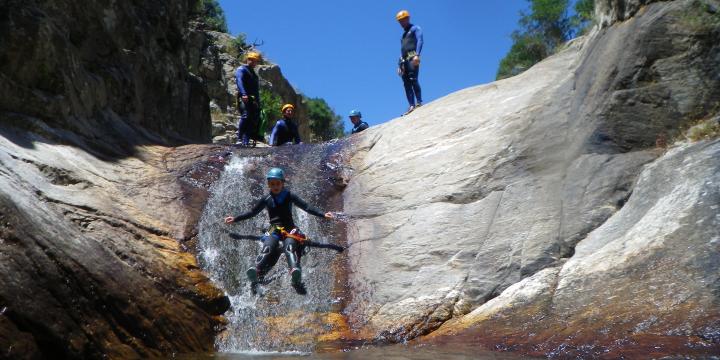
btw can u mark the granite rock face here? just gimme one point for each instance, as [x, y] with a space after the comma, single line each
[98, 221]
[645, 280]
[95, 253]
[501, 182]
[113, 72]
[608, 12]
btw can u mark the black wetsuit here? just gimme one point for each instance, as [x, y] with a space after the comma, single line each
[360, 127]
[284, 131]
[279, 209]
[411, 44]
[248, 84]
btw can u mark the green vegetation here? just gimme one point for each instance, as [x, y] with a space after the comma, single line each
[701, 17]
[325, 124]
[704, 130]
[271, 105]
[212, 14]
[543, 30]
[238, 46]
[584, 15]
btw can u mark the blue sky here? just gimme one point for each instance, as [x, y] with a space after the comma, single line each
[346, 51]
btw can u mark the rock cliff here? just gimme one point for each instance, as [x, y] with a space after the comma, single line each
[94, 252]
[545, 179]
[96, 222]
[112, 73]
[540, 213]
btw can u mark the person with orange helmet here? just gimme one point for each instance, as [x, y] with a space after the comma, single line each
[285, 130]
[411, 45]
[248, 87]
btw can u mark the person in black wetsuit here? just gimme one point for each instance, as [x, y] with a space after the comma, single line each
[358, 124]
[248, 87]
[282, 228]
[285, 130]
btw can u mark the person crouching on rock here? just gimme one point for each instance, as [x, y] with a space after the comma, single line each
[282, 228]
[285, 130]
[356, 119]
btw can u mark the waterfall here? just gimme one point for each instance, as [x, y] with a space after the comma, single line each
[277, 318]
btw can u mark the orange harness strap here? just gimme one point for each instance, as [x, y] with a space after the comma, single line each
[299, 237]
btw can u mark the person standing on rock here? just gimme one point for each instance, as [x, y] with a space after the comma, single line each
[411, 45]
[285, 130]
[358, 124]
[248, 86]
[282, 228]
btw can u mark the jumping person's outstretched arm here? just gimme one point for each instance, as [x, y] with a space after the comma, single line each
[308, 208]
[252, 213]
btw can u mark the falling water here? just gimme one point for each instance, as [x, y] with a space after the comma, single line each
[277, 318]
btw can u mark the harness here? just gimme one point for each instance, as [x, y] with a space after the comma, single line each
[294, 234]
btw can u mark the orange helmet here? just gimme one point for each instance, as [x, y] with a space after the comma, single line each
[288, 106]
[403, 14]
[254, 55]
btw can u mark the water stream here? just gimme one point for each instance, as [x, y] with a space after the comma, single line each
[278, 323]
[277, 318]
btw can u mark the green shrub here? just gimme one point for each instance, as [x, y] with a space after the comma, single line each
[701, 17]
[325, 124]
[238, 45]
[584, 16]
[542, 32]
[212, 14]
[704, 130]
[271, 105]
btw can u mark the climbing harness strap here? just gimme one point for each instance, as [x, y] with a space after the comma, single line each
[294, 234]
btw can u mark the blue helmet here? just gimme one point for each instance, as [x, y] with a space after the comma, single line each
[276, 173]
[355, 113]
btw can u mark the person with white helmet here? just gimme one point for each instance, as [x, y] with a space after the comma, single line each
[411, 45]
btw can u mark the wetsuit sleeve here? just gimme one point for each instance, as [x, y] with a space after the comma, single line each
[305, 206]
[253, 212]
[238, 79]
[419, 37]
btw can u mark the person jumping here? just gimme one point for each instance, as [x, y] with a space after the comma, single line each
[282, 230]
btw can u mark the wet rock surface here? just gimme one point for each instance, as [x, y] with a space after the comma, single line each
[506, 181]
[276, 317]
[94, 253]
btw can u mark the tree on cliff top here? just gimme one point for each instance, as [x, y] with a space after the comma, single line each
[325, 124]
[212, 14]
[543, 30]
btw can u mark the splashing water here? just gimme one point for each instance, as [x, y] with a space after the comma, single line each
[277, 318]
